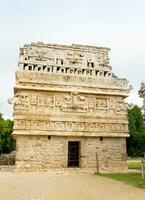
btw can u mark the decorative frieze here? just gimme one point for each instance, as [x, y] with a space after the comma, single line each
[70, 126]
[74, 59]
[68, 103]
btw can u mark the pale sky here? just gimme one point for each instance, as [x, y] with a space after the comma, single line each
[119, 25]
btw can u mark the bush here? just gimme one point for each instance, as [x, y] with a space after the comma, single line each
[7, 143]
[136, 141]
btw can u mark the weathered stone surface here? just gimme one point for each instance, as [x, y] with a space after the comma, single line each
[69, 93]
[142, 95]
[41, 153]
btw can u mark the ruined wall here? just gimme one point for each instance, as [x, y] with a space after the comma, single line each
[40, 153]
[8, 159]
[142, 95]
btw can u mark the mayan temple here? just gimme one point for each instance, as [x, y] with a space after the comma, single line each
[142, 95]
[69, 110]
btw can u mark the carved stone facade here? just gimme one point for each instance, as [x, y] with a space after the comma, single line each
[66, 94]
[142, 95]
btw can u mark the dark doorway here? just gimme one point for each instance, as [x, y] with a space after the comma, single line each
[73, 153]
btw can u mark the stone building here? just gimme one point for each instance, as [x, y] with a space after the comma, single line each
[69, 110]
[142, 95]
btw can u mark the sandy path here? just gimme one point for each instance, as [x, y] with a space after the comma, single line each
[19, 186]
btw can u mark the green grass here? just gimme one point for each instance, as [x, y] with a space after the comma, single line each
[133, 179]
[134, 165]
[134, 158]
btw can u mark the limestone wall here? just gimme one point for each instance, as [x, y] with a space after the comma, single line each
[142, 95]
[40, 153]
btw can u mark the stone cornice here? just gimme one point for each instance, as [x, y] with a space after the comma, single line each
[67, 133]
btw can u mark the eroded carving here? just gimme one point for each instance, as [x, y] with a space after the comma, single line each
[141, 93]
[69, 126]
[71, 102]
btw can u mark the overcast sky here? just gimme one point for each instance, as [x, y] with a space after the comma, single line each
[117, 24]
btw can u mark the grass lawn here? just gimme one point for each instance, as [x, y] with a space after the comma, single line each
[128, 178]
[134, 165]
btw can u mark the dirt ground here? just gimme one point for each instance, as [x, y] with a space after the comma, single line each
[41, 186]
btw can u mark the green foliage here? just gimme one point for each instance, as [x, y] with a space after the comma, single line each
[128, 178]
[136, 141]
[7, 143]
[135, 165]
[135, 119]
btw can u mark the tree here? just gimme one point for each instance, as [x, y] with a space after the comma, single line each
[136, 141]
[7, 143]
